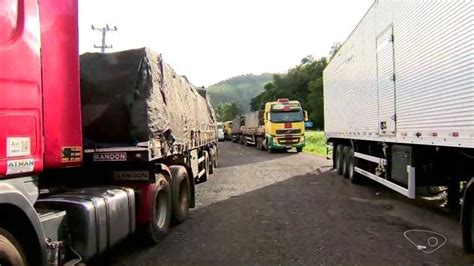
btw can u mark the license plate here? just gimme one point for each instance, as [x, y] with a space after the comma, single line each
[131, 175]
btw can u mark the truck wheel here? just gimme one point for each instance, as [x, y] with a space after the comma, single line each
[211, 163]
[299, 149]
[204, 177]
[345, 161]
[467, 222]
[181, 196]
[11, 252]
[214, 161]
[259, 144]
[353, 176]
[159, 225]
[339, 158]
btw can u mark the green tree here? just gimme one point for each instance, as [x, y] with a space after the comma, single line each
[228, 111]
[303, 83]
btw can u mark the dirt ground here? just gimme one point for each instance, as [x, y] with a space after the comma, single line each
[290, 208]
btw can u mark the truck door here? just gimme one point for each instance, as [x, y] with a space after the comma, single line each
[386, 82]
[20, 88]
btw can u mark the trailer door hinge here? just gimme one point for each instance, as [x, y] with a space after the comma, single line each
[393, 77]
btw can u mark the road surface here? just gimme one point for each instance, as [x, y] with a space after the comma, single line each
[290, 208]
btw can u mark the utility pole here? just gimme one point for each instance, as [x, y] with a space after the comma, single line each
[104, 31]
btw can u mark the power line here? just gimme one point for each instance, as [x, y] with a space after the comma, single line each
[104, 31]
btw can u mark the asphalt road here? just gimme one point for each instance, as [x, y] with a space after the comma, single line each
[290, 208]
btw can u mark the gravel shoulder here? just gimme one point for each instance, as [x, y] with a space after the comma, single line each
[290, 208]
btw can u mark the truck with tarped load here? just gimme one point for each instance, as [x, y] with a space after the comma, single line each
[89, 157]
[399, 101]
[279, 127]
[237, 123]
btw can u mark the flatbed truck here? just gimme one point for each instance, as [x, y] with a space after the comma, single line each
[61, 201]
[280, 126]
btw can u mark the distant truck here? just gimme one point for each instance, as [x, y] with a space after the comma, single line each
[237, 123]
[279, 127]
[220, 131]
[399, 101]
[227, 130]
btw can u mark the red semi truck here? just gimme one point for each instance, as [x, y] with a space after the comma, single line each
[59, 201]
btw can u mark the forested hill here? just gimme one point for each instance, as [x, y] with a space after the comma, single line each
[238, 89]
[304, 83]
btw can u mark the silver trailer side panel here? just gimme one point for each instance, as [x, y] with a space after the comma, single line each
[405, 75]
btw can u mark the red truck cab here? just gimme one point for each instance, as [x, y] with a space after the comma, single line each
[40, 119]
[40, 125]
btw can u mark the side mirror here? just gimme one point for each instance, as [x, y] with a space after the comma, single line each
[305, 115]
[268, 116]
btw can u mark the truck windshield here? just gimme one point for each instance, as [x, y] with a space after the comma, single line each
[295, 116]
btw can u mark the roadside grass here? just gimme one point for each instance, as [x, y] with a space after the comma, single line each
[315, 143]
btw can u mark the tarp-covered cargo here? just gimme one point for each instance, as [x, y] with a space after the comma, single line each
[133, 96]
[254, 119]
[237, 122]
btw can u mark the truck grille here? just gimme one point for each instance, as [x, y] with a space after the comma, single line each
[288, 131]
[288, 140]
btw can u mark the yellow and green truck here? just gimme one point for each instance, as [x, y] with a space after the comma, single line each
[279, 127]
[227, 130]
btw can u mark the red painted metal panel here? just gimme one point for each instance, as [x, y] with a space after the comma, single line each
[20, 88]
[61, 93]
[145, 207]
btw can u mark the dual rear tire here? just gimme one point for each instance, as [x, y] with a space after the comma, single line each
[345, 162]
[170, 203]
[159, 224]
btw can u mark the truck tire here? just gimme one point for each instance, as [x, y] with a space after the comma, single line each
[159, 225]
[181, 194]
[467, 223]
[204, 177]
[11, 252]
[339, 158]
[299, 149]
[345, 161]
[353, 176]
[212, 160]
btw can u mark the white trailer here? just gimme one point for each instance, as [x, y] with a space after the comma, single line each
[399, 100]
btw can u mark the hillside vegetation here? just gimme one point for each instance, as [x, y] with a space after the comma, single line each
[238, 89]
[304, 83]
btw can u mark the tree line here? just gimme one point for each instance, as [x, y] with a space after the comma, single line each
[303, 83]
[228, 111]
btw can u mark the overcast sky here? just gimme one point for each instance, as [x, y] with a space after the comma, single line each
[212, 40]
